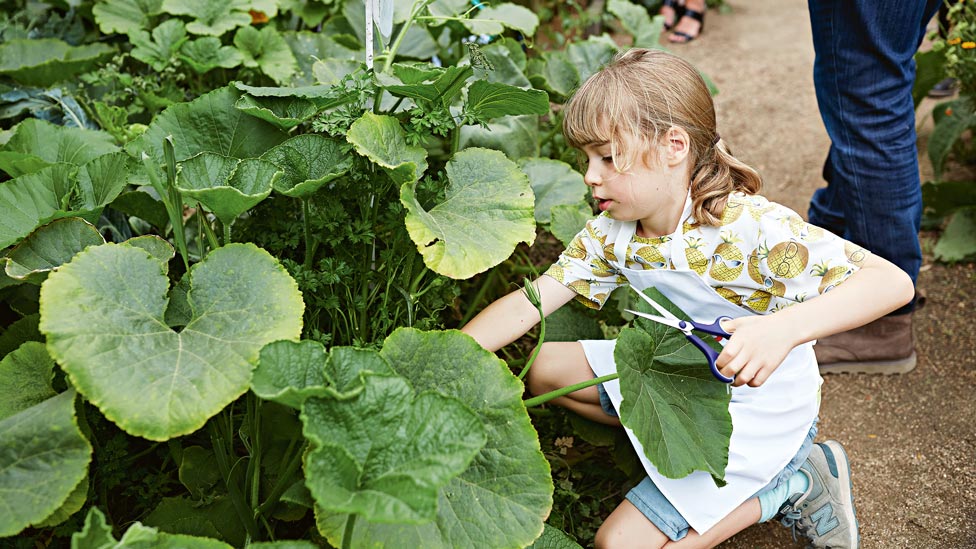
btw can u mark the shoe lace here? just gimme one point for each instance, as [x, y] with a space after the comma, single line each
[791, 518]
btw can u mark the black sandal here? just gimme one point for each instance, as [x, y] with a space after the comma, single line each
[697, 16]
[679, 10]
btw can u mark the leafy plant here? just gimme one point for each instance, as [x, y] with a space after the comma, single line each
[949, 202]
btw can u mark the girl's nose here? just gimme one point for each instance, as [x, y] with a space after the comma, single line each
[591, 177]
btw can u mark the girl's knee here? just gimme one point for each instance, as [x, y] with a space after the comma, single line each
[544, 374]
[628, 527]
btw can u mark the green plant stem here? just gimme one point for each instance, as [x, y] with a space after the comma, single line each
[254, 463]
[388, 62]
[284, 481]
[221, 454]
[535, 352]
[347, 534]
[309, 247]
[226, 227]
[455, 139]
[211, 235]
[541, 399]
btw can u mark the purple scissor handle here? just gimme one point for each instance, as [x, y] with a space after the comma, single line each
[686, 326]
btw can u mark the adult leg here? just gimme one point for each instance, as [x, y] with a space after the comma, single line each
[863, 73]
[560, 364]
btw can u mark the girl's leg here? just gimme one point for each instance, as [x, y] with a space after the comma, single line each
[560, 364]
[738, 520]
[628, 528]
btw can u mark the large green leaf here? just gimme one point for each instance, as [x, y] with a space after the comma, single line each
[486, 212]
[958, 117]
[48, 247]
[208, 53]
[97, 534]
[284, 112]
[19, 332]
[498, 62]
[590, 55]
[288, 372]
[929, 71]
[308, 162]
[266, 49]
[103, 178]
[54, 144]
[213, 17]
[25, 378]
[497, 17]
[487, 100]
[553, 72]
[209, 123]
[34, 199]
[42, 62]
[553, 538]
[309, 47]
[212, 517]
[943, 197]
[43, 457]
[381, 139]
[638, 23]
[957, 241]
[157, 50]
[674, 406]
[554, 183]
[103, 314]
[143, 205]
[501, 499]
[426, 83]
[125, 16]
[385, 451]
[226, 186]
[516, 136]
[568, 220]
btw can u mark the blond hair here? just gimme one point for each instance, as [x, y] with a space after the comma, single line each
[631, 104]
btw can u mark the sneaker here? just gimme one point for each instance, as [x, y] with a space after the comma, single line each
[825, 512]
[884, 346]
[944, 88]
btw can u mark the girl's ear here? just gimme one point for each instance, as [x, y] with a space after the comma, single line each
[678, 145]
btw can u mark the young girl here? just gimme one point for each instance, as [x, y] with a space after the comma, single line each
[680, 213]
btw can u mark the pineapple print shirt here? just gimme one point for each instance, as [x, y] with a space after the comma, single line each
[762, 256]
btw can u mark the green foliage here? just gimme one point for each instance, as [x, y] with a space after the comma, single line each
[949, 203]
[677, 410]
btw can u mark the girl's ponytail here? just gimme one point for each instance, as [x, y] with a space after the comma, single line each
[718, 175]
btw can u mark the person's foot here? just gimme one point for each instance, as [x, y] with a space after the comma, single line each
[690, 24]
[884, 346]
[670, 10]
[824, 513]
[945, 88]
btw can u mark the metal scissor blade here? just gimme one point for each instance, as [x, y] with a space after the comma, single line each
[664, 312]
[660, 319]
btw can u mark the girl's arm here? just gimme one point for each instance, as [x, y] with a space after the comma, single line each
[759, 344]
[510, 317]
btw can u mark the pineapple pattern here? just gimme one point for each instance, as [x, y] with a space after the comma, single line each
[763, 257]
[697, 261]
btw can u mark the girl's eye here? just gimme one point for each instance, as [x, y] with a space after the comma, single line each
[607, 159]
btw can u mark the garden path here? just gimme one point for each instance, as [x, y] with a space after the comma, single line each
[911, 438]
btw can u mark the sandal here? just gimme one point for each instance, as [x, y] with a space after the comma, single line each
[684, 36]
[678, 12]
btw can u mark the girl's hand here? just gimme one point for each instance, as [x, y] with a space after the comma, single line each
[757, 347]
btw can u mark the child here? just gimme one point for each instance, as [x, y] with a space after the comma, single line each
[680, 213]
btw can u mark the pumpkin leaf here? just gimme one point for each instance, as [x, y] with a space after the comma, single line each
[103, 315]
[308, 162]
[677, 410]
[43, 457]
[484, 189]
[385, 451]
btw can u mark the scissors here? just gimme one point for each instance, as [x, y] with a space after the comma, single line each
[687, 326]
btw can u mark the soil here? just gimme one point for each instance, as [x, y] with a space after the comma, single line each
[911, 438]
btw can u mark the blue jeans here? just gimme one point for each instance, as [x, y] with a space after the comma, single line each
[863, 73]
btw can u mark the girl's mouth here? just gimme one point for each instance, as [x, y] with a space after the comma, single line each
[603, 204]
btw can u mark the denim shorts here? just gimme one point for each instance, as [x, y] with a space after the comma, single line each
[652, 503]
